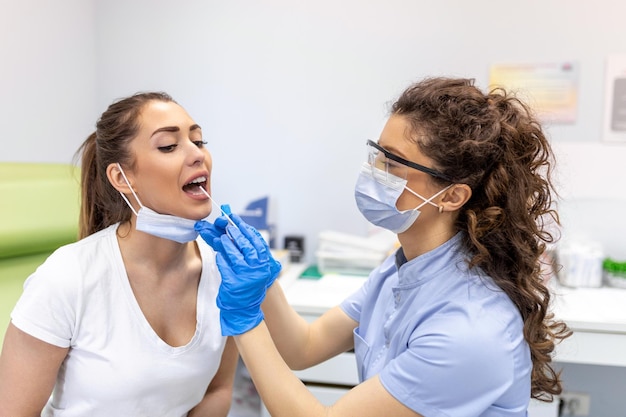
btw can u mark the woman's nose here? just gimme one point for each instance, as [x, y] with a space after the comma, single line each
[195, 153]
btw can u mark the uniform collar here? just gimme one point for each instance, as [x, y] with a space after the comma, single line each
[430, 264]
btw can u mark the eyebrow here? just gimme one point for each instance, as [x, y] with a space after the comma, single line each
[393, 150]
[174, 129]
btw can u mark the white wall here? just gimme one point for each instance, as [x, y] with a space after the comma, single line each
[47, 78]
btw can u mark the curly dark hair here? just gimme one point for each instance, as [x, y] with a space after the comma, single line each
[493, 143]
[101, 204]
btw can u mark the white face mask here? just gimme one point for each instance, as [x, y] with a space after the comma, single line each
[164, 226]
[377, 193]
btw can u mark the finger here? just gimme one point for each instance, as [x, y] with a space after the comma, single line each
[253, 236]
[245, 246]
[207, 231]
[221, 223]
[217, 244]
[231, 252]
[204, 227]
[223, 266]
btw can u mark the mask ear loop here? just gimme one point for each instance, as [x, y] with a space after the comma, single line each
[131, 190]
[429, 200]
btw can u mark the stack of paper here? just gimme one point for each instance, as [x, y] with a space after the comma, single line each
[342, 253]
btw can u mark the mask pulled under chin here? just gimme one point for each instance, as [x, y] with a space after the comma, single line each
[166, 226]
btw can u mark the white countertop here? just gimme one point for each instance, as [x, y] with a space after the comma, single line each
[583, 309]
[591, 309]
[597, 316]
[317, 295]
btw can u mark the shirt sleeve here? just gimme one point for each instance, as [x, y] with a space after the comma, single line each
[452, 368]
[46, 309]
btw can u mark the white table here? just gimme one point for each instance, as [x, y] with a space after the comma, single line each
[597, 317]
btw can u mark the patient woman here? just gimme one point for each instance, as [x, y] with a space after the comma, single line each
[124, 322]
[456, 322]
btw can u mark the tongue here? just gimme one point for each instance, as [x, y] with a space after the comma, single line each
[192, 188]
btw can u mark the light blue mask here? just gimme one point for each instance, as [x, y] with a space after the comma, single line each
[377, 193]
[164, 226]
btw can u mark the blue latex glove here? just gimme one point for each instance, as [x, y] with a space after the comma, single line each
[209, 231]
[244, 273]
[260, 246]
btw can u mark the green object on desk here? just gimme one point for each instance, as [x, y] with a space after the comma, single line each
[312, 272]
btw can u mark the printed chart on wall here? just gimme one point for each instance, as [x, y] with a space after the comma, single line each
[551, 89]
[615, 96]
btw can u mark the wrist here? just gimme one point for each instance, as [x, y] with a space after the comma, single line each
[236, 322]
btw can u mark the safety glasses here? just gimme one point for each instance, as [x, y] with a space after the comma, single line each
[384, 160]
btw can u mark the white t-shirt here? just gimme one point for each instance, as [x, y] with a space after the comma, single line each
[80, 298]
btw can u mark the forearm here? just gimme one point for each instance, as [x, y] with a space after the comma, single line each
[281, 391]
[214, 404]
[290, 332]
[304, 344]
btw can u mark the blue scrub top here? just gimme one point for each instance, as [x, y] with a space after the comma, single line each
[445, 340]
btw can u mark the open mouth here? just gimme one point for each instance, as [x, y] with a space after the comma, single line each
[193, 187]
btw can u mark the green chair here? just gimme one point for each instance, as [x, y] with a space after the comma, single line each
[39, 207]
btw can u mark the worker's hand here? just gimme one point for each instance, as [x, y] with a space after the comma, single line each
[261, 246]
[245, 272]
[210, 231]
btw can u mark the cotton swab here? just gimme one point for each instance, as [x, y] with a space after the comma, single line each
[216, 205]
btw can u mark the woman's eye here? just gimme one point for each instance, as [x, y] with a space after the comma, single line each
[200, 143]
[168, 148]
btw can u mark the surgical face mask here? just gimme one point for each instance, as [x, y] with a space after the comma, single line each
[164, 226]
[377, 193]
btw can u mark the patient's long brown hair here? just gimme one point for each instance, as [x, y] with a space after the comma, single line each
[493, 143]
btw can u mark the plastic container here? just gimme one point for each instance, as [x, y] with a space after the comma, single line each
[614, 273]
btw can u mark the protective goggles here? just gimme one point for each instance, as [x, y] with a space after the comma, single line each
[379, 157]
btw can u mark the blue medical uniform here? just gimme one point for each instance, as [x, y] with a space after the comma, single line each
[444, 340]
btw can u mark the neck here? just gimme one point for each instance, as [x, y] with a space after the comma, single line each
[416, 242]
[156, 253]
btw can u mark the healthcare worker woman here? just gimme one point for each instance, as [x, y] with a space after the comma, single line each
[456, 322]
[124, 321]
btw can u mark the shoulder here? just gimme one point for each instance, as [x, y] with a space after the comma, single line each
[90, 251]
[479, 323]
[72, 266]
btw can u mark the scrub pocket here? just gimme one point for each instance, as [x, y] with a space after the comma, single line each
[361, 351]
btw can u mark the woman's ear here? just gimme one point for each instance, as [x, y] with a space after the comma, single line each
[116, 178]
[455, 197]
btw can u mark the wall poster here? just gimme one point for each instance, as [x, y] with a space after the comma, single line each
[615, 99]
[551, 89]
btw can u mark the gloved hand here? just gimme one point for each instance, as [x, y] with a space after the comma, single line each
[209, 231]
[259, 243]
[244, 273]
